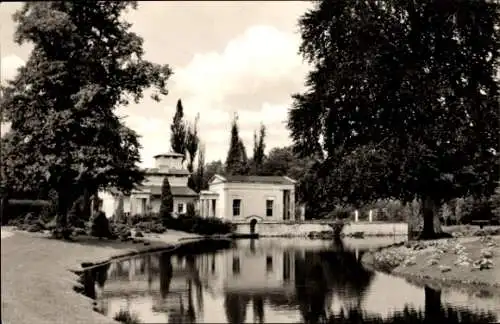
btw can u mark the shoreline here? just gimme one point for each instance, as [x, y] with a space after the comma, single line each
[39, 272]
[401, 260]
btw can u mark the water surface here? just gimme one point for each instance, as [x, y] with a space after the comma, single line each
[275, 281]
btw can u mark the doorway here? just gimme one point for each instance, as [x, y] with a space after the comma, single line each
[253, 223]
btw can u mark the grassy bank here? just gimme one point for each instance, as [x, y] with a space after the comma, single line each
[472, 263]
[37, 284]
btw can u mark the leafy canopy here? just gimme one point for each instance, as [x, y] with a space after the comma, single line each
[85, 62]
[402, 99]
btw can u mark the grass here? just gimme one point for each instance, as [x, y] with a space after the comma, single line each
[36, 281]
[448, 262]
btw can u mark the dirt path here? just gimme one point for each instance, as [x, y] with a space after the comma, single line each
[37, 284]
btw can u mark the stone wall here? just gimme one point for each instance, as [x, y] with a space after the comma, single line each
[304, 228]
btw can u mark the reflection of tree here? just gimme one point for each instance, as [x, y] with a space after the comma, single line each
[319, 274]
[195, 276]
[236, 308]
[258, 309]
[166, 272]
[101, 274]
[433, 313]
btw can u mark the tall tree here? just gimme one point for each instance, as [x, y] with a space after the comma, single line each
[413, 106]
[178, 131]
[167, 201]
[259, 147]
[211, 169]
[64, 134]
[192, 143]
[237, 160]
[196, 179]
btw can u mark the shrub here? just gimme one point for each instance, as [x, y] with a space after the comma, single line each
[100, 226]
[167, 201]
[199, 225]
[124, 316]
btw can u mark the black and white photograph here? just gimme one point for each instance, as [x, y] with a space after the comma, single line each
[317, 162]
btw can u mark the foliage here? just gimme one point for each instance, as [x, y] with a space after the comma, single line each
[199, 225]
[197, 180]
[400, 65]
[192, 143]
[190, 210]
[446, 213]
[237, 160]
[476, 209]
[178, 131]
[125, 317]
[211, 169]
[258, 151]
[495, 203]
[167, 201]
[64, 134]
[100, 226]
[119, 215]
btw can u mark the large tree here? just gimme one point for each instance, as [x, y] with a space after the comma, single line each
[192, 143]
[237, 160]
[402, 99]
[259, 147]
[64, 134]
[196, 180]
[178, 131]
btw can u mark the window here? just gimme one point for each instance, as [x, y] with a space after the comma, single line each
[236, 207]
[269, 208]
[236, 265]
[180, 208]
[269, 263]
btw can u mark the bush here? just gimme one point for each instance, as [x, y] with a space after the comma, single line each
[199, 225]
[100, 226]
[124, 316]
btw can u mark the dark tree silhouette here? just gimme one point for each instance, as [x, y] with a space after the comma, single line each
[412, 107]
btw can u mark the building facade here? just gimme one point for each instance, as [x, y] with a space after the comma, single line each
[147, 197]
[243, 199]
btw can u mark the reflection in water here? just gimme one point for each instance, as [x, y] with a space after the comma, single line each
[258, 281]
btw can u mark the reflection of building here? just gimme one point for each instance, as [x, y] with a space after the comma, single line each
[146, 198]
[245, 198]
[250, 267]
[146, 275]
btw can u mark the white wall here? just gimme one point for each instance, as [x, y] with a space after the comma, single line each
[253, 200]
[303, 229]
[165, 163]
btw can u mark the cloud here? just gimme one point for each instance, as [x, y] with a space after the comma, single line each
[10, 64]
[254, 76]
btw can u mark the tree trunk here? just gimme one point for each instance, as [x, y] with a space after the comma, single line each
[428, 214]
[433, 307]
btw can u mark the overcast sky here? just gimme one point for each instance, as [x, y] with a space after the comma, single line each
[227, 57]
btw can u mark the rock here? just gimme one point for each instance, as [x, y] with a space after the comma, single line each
[409, 262]
[139, 234]
[147, 243]
[432, 262]
[444, 268]
[487, 253]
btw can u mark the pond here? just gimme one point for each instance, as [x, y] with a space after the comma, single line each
[273, 281]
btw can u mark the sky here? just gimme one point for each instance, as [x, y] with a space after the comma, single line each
[227, 57]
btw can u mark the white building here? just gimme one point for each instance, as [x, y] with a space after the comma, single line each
[247, 199]
[147, 197]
